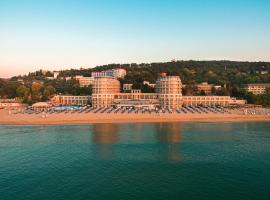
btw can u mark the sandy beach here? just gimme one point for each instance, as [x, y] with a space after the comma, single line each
[91, 118]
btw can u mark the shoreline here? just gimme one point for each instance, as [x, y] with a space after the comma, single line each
[80, 119]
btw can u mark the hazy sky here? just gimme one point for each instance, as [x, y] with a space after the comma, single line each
[58, 34]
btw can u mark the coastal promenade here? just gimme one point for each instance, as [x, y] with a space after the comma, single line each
[75, 117]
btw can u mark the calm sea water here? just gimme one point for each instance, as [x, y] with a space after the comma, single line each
[135, 161]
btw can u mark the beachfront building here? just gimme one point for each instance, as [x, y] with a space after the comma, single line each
[11, 104]
[136, 99]
[41, 106]
[104, 89]
[106, 92]
[258, 88]
[116, 73]
[168, 95]
[211, 100]
[70, 100]
[169, 90]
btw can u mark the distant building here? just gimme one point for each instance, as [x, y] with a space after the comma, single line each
[116, 73]
[55, 74]
[206, 87]
[85, 81]
[99, 74]
[127, 87]
[256, 88]
[119, 73]
[44, 72]
[262, 72]
[152, 85]
[21, 81]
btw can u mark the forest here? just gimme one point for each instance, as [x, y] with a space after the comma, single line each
[231, 75]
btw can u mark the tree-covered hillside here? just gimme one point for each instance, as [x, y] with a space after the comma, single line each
[229, 74]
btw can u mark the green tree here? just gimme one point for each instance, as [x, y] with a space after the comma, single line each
[36, 90]
[202, 93]
[23, 92]
[48, 92]
[268, 90]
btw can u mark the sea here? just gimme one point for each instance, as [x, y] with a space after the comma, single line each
[135, 161]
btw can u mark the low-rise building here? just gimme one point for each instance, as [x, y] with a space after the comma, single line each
[55, 74]
[256, 88]
[127, 87]
[70, 100]
[206, 87]
[211, 100]
[41, 106]
[11, 104]
[85, 81]
[116, 73]
[262, 72]
[21, 81]
[136, 99]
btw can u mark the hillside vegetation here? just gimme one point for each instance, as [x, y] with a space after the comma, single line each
[229, 74]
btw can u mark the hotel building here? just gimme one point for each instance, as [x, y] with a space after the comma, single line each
[104, 90]
[211, 100]
[169, 90]
[206, 87]
[256, 88]
[11, 103]
[70, 100]
[116, 73]
[106, 93]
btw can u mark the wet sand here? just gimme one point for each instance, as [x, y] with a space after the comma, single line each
[90, 118]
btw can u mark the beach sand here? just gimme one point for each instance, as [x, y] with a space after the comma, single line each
[90, 118]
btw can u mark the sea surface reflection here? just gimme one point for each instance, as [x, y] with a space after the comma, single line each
[135, 161]
[162, 141]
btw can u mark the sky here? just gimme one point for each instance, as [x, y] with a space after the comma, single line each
[64, 34]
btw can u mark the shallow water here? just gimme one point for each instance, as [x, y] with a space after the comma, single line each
[136, 161]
